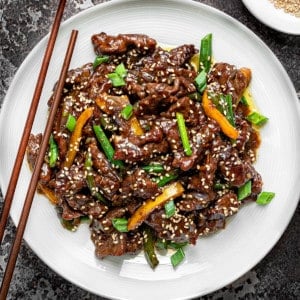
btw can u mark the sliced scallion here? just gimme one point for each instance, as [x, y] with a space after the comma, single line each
[120, 224]
[121, 70]
[170, 208]
[257, 119]
[117, 77]
[200, 81]
[53, 152]
[127, 112]
[183, 134]
[99, 60]
[244, 101]
[106, 145]
[177, 257]
[265, 198]
[116, 80]
[153, 168]
[166, 179]
[244, 191]
[71, 123]
[206, 53]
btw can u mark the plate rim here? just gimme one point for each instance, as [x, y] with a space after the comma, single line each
[190, 2]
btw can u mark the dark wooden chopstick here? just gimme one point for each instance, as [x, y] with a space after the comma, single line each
[30, 118]
[36, 171]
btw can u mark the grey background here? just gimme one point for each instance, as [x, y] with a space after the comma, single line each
[23, 24]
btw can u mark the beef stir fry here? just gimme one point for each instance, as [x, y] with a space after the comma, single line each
[153, 149]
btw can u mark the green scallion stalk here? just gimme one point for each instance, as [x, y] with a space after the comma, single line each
[244, 101]
[120, 224]
[200, 81]
[106, 146]
[244, 191]
[177, 257]
[117, 77]
[264, 198]
[176, 246]
[153, 168]
[161, 244]
[99, 60]
[53, 152]
[205, 58]
[170, 208]
[149, 248]
[229, 110]
[71, 123]
[116, 80]
[166, 179]
[121, 70]
[257, 119]
[183, 134]
[127, 112]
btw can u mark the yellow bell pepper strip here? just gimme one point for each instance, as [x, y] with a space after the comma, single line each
[48, 193]
[172, 191]
[76, 137]
[212, 112]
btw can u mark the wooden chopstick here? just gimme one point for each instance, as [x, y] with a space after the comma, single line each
[30, 118]
[36, 171]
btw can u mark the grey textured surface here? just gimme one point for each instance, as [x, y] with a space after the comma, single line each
[277, 276]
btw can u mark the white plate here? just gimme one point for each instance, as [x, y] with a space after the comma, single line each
[267, 13]
[216, 260]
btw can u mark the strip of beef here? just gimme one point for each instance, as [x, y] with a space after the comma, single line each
[178, 228]
[227, 79]
[107, 44]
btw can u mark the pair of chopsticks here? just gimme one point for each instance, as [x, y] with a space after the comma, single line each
[43, 147]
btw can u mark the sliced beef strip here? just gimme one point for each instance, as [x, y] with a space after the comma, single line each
[107, 44]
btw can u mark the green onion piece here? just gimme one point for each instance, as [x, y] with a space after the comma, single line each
[224, 105]
[71, 225]
[265, 198]
[53, 152]
[166, 179]
[176, 246]
[85, 219]
[257, 119]
[155, 168]
[106, 146]
[229, 111]
[161, 244]
[71, 123]
[244, 101]
[117, 77]
[200, 81]
[195, 96]
[149, 249]
[177, 257]
[220, 186]
[183, 134]
[127, 111]
[121, 70]
[120, 224]
[99, 60]
[206, 53]
[170, 208]
[116, 80]
[244, 191]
